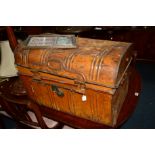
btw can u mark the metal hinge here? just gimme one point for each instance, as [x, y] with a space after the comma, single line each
[36, 75]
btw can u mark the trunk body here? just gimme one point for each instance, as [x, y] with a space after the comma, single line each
[88, 80]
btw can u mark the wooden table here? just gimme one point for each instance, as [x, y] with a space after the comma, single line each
[75, 122]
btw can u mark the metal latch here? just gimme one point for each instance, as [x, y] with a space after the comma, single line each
[80, 86]
[57, 90]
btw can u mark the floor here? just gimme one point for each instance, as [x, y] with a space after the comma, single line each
[144, 114]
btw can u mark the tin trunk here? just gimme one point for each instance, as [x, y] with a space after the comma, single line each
[83, 77]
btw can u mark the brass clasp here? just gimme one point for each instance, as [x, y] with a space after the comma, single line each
[80, 86]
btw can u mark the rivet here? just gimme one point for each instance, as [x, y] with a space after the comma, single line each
[127, 59]
[136, 94]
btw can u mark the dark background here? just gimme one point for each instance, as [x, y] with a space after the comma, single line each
[143, 37]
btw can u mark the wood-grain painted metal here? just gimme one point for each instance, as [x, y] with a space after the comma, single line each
[96, 69]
